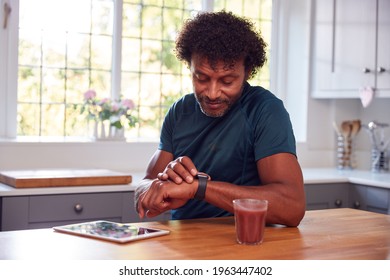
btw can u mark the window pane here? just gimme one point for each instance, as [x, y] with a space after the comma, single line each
[53, 49]
[29, 84]
[131, 86]
[78, 81]
[150, 123]
[102, 52]
[78, 50]
[29, 47]
[151, 56]
[28, 119]
[151, 88]
[65, 47]
[131, 54]
[131, 20]
[151, 22]
[52, 115]
[53, 89]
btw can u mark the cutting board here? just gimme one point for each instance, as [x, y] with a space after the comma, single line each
[63, 177]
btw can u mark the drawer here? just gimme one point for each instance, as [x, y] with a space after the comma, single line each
[48, 208]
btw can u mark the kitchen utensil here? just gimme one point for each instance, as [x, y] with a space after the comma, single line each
[346, 129]
[371, 130]
[336, 128]
[356, 125]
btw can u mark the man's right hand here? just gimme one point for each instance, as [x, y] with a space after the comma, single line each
[161, 196]
[178, 170]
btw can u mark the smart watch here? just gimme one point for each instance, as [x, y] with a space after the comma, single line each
[202, 184]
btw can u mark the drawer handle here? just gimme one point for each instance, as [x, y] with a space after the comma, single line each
[356, 204]
[381, 70]
[338, 202]
[366, 70]
[78, 208]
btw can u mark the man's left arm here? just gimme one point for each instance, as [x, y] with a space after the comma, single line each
[281, 184]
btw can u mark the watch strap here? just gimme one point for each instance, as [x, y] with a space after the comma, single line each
[202, 185]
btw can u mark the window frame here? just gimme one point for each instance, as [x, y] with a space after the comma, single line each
[9, 71]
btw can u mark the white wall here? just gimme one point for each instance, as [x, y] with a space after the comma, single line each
[118, 156]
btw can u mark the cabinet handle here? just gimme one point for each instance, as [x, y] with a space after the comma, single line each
[381, 70]
[356, 204]
[338, 202]
[78, 208]
[366, 70]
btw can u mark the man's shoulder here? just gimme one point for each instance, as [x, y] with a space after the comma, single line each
[184, 102]
[256, 97]
[258, 93]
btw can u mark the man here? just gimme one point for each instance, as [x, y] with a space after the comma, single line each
[238, 136]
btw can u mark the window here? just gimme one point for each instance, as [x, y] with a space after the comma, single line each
[116, 47]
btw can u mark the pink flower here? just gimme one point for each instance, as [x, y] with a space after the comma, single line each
[128, 103]
[89, 94]
[118, 112]
[115, 106]
[105, 101]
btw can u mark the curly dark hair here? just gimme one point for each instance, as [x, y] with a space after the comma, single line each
[222, 36]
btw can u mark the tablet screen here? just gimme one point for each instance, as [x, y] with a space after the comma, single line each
[111, 231]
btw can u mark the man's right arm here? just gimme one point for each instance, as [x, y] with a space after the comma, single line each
[156, 165]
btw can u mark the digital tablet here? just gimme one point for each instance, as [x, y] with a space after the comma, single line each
[111, 231]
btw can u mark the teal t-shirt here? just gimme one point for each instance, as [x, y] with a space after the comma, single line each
[228, 147]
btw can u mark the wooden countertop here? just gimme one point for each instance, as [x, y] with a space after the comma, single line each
[323, 234]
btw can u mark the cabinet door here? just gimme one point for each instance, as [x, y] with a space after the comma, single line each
[345, 45]
[383, 64]
[378, 200]
[326, 196]
[358, 197]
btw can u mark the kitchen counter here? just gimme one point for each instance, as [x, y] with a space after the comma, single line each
[311, 176]
[323, 234]
[330, 176]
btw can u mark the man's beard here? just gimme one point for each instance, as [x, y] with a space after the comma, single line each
[204, 99]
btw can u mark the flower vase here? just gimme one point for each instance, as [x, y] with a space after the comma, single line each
[117, 134]
[100, 131]
[95, 130]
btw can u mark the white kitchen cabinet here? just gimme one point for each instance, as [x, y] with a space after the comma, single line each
[351, 43]
[383, 65]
